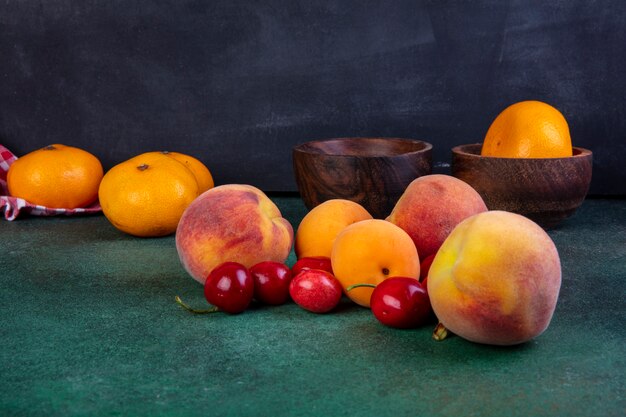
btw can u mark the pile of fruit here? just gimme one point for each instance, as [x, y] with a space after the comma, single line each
[489, 276]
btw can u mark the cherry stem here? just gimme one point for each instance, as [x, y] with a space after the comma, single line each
[440, 332]
[193, 310]
[353, 286]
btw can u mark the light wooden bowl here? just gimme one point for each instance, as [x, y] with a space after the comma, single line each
[373, 172]
[546, 190]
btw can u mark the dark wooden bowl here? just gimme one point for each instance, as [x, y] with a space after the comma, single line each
[373, 172]
[546, 190]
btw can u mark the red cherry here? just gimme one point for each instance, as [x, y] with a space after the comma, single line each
[425, 267]
[400, 302]
[229, 287]
[312, 262]
[315, 290]
[271, 282]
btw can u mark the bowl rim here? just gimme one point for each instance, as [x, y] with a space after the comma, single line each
[299, 147]
[578, 152]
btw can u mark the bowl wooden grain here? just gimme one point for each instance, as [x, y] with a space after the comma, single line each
[373, 172]
[546, 190]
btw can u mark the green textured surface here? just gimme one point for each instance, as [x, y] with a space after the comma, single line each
[89, 327]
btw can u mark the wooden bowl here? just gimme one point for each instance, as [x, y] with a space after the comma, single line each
[546, 190]
[373, 172]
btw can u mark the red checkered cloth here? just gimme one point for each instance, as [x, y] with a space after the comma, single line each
[13, 206]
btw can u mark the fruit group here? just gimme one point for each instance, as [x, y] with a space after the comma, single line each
[56, 176]
[496, 279]
[319, 228]
[528, 129]
[229, 287]
[146, 195]
[401, 302]
[197, 168]
[271, 282]
[315, 290]
[431, 207]
[369, 252]
[231, 222]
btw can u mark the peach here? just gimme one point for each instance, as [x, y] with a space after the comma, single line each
[431, 206]
[231, 222]
[370, 251]
[495, 279]
[319, 228]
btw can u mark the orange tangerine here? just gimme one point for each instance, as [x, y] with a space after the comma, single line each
[202, 173]
[528, 129]
[146, 195]
[56, 176]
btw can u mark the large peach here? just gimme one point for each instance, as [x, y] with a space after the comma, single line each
[369, 252]
[431, 206]
[231, 222]
[495, 279]
[319, 228]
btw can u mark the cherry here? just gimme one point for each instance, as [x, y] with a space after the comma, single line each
[425, 267]
[229, 288]
[399, 302]
[271, 282]
[312, 262]
[316, 290]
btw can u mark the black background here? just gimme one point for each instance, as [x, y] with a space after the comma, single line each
[239, 83]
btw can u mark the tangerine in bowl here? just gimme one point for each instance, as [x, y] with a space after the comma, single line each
[527, 164]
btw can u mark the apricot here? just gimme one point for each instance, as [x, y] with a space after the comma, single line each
[231, 222]
[495, 279]
[370, 251]
[320, 226]
[431, 206]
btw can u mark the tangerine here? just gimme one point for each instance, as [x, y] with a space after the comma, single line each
[56, 176]
[202, 173]
[146, 195]
[528, 129]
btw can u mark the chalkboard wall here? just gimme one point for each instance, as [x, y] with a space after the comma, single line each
[239, 83]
